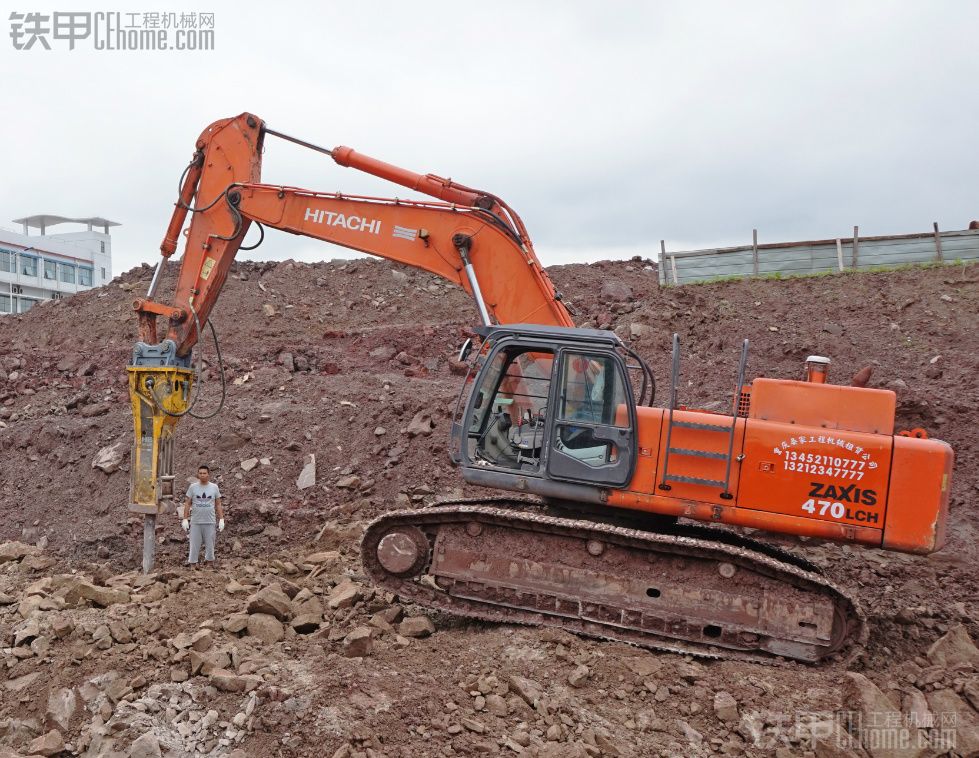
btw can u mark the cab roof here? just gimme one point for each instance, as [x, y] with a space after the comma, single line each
[555, 333]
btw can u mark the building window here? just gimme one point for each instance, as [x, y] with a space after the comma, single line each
[85, 276]
[28, 265]
[50, 270]
[4, 303]
[7, 260]
[67, 273]
[25, 304]
[102, 244]
[103, 273]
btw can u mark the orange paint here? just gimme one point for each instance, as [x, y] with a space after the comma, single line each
[836, 480]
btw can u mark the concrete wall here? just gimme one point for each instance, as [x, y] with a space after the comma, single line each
[795, 258]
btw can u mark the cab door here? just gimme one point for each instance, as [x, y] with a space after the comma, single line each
[593, 422]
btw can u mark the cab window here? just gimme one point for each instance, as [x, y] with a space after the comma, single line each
[592, 391]
[510, 408]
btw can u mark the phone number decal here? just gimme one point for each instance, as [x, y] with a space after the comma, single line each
[836, 463]
[835, 471]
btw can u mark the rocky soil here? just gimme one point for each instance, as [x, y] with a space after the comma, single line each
[342, 379]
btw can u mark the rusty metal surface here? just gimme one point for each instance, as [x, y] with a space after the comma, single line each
[503, 560]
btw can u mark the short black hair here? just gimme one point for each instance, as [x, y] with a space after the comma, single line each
[203, 466]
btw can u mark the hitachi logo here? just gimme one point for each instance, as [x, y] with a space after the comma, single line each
[353, 223]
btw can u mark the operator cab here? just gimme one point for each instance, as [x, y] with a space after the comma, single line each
[549, 410]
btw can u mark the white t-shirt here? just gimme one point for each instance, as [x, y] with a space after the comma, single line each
[202, 500]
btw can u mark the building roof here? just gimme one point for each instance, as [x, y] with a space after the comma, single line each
[44, 220]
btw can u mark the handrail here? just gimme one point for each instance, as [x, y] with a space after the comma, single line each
[674, 378]
[734, 422]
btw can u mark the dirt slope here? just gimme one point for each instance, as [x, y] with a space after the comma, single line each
[351, 355]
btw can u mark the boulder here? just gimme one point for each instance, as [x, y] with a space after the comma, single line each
[310, 606]
[416, 626]
[50, 743]
[270, 600]
[496, 705]
[228, 681]
[872, 728]
[265, 627]
[108, 459]
[420, 424]
[96, 594]
[21, 683]
[27, 631]
[120, 632]
[527, 689]
[954, 648]
[946, 703]
[639, 331]
[307, 623]
[349, 482]
[15, 551]
[358, 643]
[307, 477]
[615, 291]
[96, 409]
[145, 746]
[344, 595]
[181, 641]
[953, 713]
[205, 663]
[325, 556]
[643, 666]
[726, 707]
[235, 623]
[579, 676]
[383, 353]
[202, 640]
[62, 707]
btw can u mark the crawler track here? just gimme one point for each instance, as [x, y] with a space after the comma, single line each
[692, 590]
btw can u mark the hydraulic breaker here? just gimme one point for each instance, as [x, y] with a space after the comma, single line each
[159, 395]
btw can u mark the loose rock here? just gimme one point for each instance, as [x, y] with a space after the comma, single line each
[358, 643]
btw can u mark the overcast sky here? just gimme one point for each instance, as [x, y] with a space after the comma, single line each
[607, 126]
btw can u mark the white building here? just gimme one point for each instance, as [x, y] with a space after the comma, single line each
[46, 266]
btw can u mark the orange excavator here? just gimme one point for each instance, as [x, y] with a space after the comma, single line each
[599, 533]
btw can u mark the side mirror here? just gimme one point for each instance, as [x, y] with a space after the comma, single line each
[465, 350]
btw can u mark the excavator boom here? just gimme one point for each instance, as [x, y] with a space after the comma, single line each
[469, 237]
[473, 239]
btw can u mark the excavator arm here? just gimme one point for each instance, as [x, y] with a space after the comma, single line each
[469, 237]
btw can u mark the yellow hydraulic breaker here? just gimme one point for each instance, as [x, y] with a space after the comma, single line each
[160, 396]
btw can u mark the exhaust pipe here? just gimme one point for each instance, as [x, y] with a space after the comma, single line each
[817, 369]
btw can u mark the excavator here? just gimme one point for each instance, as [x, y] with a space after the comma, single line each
[621, 520]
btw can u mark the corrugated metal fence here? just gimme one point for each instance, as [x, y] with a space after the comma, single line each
[799, 258]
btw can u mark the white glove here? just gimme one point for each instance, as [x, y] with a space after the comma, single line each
[185, 524]
[221, 525]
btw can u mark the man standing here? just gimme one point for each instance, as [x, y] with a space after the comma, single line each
[205, 497]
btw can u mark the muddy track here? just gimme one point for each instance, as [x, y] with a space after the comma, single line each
[590, 617]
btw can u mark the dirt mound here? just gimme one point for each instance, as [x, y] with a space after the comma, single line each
[354, 363]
